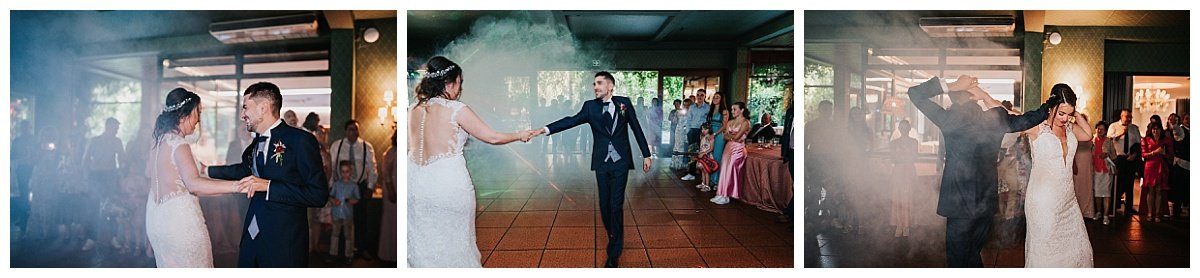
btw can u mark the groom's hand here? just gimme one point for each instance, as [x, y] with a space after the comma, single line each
[963, 83]
[646, 165]
[254, 184]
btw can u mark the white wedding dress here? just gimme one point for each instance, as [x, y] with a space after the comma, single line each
[441, 197]
[1055, 234]
[174, 222]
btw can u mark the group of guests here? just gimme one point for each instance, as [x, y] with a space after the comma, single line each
[836, 150]
[80, 193]
[359, 225]
[709, 142]
[1121, 153]
[103, 203]
[1107, 168]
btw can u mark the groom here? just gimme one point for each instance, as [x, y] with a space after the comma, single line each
[968, 194]
[283, 168]
[610, 118]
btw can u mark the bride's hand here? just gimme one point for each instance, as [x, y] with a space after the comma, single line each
[240, 187]
[526, 136]
[254, 184]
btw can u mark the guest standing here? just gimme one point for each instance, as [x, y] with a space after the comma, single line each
[904, 176]
[697, 115]
[679, 160]
[362, 156]
[1180, 173]
[1126, 137]
[718, 114]
[1154, 147]
[1103, 156]
[729, 186]
[1083, 175]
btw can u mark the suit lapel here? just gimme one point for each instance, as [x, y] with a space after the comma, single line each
[617, 112]
[605, 121]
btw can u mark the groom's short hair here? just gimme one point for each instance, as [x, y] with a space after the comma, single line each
[266, 90]
[608, 76]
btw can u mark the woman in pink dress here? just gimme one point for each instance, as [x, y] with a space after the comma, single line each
[734, 158]
[1154, 145]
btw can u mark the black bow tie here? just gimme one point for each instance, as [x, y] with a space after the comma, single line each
[260, 139]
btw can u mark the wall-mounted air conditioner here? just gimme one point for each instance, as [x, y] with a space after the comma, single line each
[987, 26]
[265, 29]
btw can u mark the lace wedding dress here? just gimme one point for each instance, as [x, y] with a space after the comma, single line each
[174, 222]
[441, 197]
[1055, 234]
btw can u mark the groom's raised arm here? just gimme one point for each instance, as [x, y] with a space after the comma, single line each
[1025, 121]
[920, 96]
[568, 122]
[310, 189]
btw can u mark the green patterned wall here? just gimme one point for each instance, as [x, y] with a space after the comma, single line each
[1079, 60]
[374, 74]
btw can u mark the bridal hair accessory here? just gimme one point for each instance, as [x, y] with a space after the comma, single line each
[177, 106]
[440, 73]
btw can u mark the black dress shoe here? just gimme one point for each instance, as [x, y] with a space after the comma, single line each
[610, 263]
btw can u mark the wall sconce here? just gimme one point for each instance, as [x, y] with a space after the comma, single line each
[389, 105]
[371, 35]
[1054, 38]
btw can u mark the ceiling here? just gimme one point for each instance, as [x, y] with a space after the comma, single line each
[1181, 92]
[82, 27]
[1143, 18]
[1117, 18]
[614, 26]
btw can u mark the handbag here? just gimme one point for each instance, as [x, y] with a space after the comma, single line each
[708, 164]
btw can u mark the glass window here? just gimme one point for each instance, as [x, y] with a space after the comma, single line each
[119, 99]
[818, 86]
[768, 84]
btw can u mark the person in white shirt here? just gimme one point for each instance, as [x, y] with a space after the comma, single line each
[362, 155]
[1126, 137]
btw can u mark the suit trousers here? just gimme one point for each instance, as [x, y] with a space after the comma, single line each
[1125, 179]
[965, 238]
[693, 137]
[610, 180]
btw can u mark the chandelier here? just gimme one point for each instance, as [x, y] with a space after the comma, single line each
[1151, 99]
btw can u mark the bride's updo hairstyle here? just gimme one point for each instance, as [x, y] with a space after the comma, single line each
[179, 104]
[1064, 94]
[439, 71]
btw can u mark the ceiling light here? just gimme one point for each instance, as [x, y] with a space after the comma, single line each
[265, 29]
[1055, 38]
[371, 35]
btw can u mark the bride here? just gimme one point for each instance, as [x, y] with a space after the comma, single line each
[174, 222]
[1055, 234]
[441, 197]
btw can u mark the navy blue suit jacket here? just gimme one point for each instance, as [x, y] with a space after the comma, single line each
[297, 182]
[592, 114]
[972, 136]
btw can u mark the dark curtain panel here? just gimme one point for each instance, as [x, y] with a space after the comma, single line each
[1182, 107]
[1118, 93]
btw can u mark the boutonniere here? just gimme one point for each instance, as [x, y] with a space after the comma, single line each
[621, 106]
[278, 156]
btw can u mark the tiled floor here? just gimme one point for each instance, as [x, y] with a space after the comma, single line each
[540, 210]
[1127, 242]
[67, 254]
